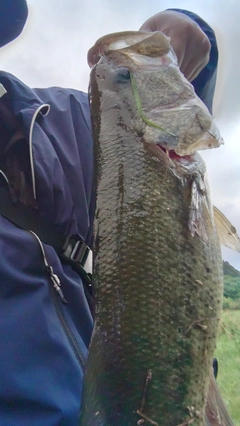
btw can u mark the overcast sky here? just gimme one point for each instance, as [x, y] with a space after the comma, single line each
[52, 52]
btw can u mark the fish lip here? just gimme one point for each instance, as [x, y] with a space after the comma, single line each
[169, 156]
[174, 156]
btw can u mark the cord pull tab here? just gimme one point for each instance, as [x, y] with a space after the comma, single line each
[54, 278]
[56, 284]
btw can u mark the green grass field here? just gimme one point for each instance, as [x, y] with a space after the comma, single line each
[228, 355]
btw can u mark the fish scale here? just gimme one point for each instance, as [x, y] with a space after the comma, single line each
[158, 288]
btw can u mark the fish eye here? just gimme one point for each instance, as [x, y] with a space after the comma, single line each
[123, 75]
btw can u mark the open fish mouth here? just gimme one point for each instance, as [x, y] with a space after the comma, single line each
[169, 156]
[173, 156]
[194, 137]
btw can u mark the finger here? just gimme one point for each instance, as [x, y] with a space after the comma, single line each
[193, 74]
[194, 65]
[179, 49]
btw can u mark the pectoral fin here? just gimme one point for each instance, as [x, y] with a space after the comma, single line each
[200, 212]
[227, 232]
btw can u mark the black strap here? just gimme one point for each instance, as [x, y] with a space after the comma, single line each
[70, 250]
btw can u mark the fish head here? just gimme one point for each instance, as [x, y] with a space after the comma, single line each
[141, 73]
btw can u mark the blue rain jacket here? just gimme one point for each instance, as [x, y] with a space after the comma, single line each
[44, 342]
[205, 82]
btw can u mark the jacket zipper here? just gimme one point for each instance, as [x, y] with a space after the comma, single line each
[78, 353]
[58, 299]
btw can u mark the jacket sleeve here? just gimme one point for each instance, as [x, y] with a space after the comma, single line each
[205, 82]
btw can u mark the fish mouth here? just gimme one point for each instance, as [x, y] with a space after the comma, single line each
[173, 155]
[169, 157]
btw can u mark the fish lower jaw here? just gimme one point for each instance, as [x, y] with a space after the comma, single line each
[169, 156]
[173, 155]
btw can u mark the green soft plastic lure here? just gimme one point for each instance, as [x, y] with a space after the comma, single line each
[140, 109]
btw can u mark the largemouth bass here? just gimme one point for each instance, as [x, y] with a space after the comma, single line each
[157, 261]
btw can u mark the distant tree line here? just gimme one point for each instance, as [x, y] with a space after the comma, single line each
[231, 299]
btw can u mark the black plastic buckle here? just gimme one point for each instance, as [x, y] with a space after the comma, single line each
[75, 251]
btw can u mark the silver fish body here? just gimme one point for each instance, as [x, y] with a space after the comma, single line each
[157, 261]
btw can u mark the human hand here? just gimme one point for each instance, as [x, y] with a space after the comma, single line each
[189, 42]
